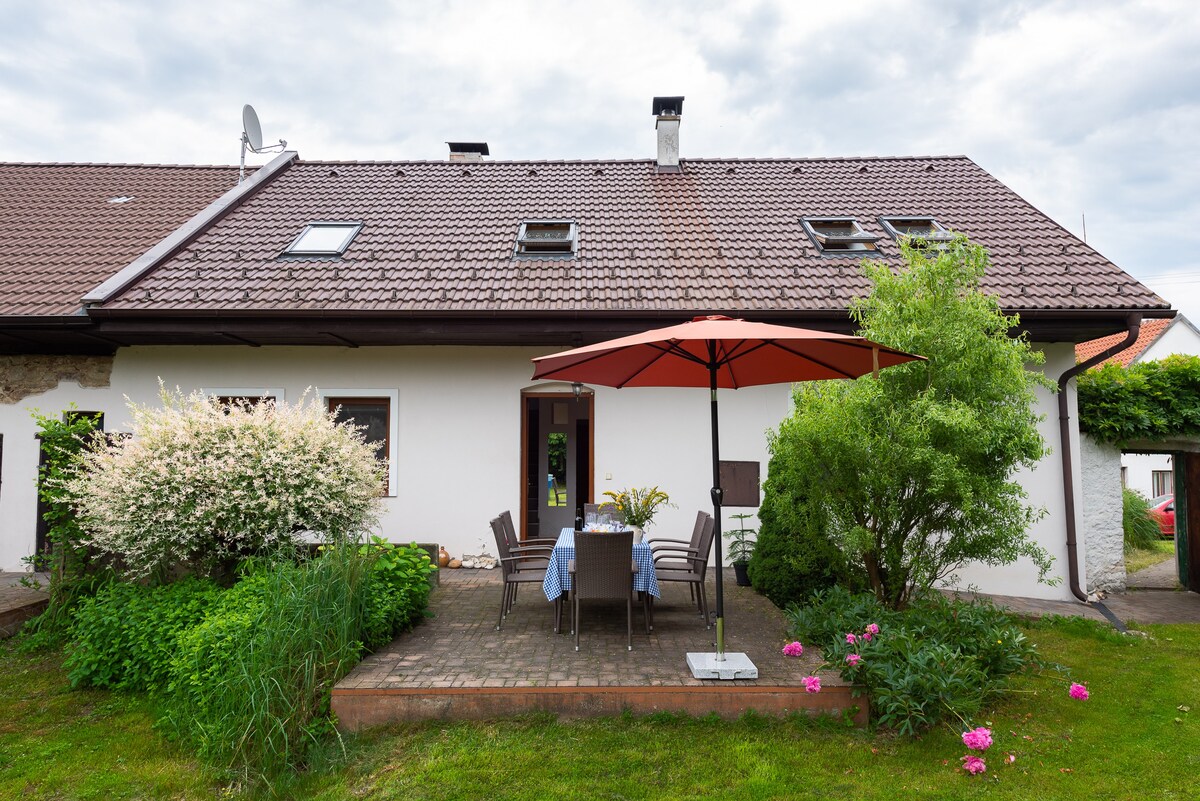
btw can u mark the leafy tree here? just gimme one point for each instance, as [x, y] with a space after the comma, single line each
[911, 472]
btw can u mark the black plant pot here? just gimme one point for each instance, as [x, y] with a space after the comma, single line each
[739, 570]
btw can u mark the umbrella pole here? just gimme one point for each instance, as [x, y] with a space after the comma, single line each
[716, 500]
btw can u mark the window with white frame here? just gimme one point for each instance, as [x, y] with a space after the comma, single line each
[374, 412]
[917, 229]
[323, 239]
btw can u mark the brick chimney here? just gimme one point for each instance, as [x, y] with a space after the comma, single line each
[468, 151]
[668, 110]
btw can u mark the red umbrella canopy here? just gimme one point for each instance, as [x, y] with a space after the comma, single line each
[744, 353]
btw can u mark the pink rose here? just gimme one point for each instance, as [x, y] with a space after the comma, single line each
[793, 649]
[853, 659]
[978, 740]
[872, 629]
[973, 764]
[867, 636]
[1078, 692]
[851, 639]
[812, 684]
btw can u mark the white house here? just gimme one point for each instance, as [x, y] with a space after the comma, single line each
[414, 294]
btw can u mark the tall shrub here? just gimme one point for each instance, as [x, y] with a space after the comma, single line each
[912, 471]
[1141, 529]
[73, 574]
[202, 483]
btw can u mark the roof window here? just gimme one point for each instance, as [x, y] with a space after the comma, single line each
[921, 228]
[323, 239]
[546, 238]
[839, 234]
[121, 199]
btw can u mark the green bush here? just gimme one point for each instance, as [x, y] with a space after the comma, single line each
[793, 557]
[252, 682]
[1141, 529]
[124, 637]
[936, 659]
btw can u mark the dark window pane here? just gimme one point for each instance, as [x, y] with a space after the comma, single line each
[371, 414]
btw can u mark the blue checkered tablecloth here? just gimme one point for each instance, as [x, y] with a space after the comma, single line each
[558, 580]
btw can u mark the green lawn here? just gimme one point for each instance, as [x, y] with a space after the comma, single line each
[1139, 559]
[1132, 740]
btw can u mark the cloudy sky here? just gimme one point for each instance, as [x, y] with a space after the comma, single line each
[1084, 108]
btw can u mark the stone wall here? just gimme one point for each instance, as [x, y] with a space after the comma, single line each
[1099, 520]
[23, 376]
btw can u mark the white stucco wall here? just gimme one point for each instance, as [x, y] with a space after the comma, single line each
[457, 437]
[1100, 515]
[1045, 488]
[1178, 338]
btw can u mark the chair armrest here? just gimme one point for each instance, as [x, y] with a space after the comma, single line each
[543, 541]
[527, 549]
[657, 551]
[695, 559]
[664, 539]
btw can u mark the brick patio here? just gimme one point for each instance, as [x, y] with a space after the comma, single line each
[456, 665]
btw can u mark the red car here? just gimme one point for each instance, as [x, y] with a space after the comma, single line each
[1162, 509]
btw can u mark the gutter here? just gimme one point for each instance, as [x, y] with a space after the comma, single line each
[1134, 322]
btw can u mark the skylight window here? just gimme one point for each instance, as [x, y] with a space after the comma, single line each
[839, 234]
[121, 199]
[323, 239]
[547, 238]
[924, 228]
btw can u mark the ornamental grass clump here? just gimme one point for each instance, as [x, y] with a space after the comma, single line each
[202, 484]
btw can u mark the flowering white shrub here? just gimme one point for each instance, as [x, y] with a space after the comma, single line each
[201, 482]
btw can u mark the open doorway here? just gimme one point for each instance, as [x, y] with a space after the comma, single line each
[556, 461]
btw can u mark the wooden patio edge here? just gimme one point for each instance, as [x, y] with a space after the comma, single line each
[13, 617]
[361, 708]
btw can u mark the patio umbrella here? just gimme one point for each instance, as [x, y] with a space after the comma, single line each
[719, 352]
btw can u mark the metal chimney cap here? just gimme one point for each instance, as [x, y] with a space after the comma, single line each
[469, 147]
[668, 105]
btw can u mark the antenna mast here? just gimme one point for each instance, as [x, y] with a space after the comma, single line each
[252, 139]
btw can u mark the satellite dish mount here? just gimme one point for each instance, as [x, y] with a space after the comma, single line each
[252, 139]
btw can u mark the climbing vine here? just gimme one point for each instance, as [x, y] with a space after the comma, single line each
[1146, 401]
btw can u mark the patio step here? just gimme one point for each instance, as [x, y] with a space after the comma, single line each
[362, 708]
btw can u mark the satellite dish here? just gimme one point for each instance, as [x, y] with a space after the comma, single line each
[250, 128]
[252, 138]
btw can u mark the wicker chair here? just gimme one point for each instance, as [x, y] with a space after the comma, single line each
[689, 565]
[516, 569]
[510, 531]
[603, 570]
[675, 550]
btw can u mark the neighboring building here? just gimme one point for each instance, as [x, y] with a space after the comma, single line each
[1149, 473]
[414, 294]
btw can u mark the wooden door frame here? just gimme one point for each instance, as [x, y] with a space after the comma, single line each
[526, 395]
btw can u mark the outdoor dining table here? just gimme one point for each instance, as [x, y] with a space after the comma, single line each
[558, 576]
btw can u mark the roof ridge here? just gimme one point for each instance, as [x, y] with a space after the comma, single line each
[99, 164]
[707, 160]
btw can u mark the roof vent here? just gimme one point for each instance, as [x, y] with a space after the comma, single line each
[668, 111]
[468, 151]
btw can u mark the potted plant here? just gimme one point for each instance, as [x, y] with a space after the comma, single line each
[638, 505]
[740, 548]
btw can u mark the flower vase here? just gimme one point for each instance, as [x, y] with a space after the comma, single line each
[638, 534]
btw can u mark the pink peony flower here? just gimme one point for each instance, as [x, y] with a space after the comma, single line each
[812, 684]
[851, 639]
[793, 649]
[978, 740]
[867, 636]
[853, 659]
[872, 629]
[973, 764]
[1078, 692]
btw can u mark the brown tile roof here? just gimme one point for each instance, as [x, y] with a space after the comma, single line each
[1150, 331]
[60, 236]
[723, 234]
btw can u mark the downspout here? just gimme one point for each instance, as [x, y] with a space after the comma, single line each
[1134, 321]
